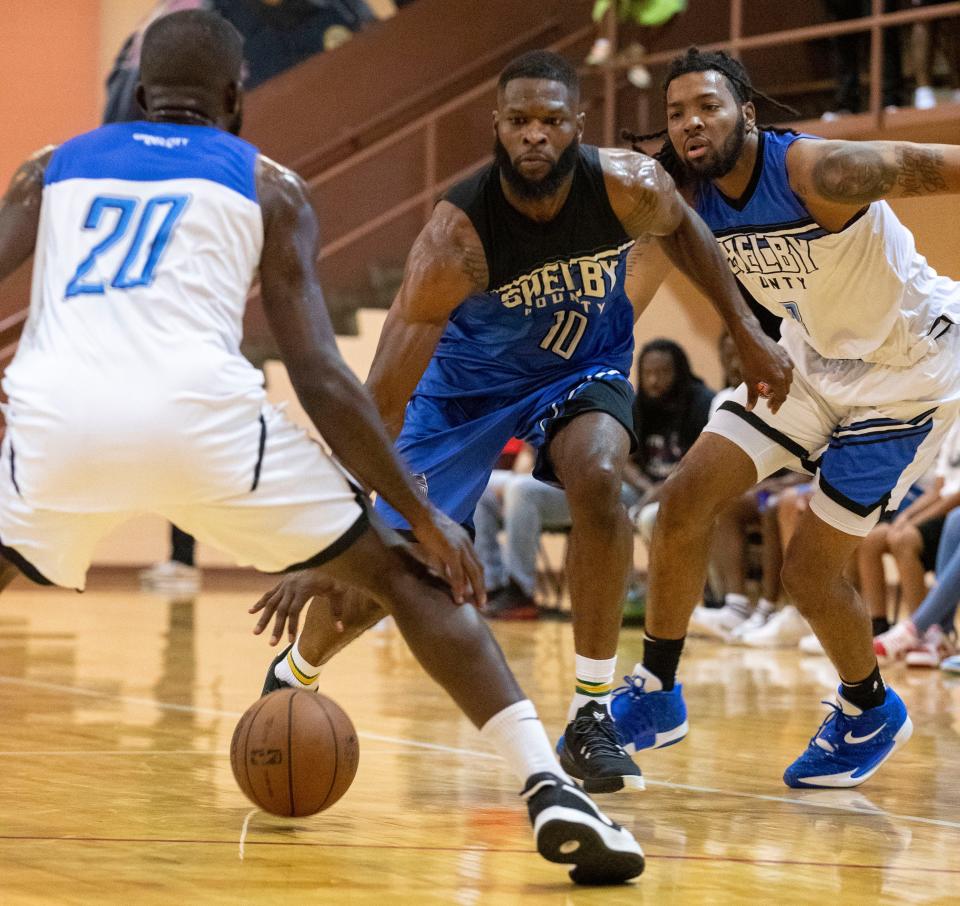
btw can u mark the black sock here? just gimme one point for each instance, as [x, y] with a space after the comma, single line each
[182, 546]
[661, 657]
[868, 693]
[880, 624]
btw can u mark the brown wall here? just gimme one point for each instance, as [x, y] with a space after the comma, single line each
[49, 52]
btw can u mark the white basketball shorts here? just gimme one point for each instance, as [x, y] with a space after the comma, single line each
[867, 432]
[295, 508]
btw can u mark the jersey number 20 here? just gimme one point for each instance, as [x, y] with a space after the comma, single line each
[154, 227]
[565, 333]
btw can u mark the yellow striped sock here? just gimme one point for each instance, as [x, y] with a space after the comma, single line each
[300, 676]
[593, 689]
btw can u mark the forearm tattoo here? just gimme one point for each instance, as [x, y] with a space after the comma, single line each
[859, 174]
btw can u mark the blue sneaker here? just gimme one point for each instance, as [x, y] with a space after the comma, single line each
[648, 718]
[951, 664]
[851, 744]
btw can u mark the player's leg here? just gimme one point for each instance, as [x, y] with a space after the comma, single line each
[454, 645]
[588, 454]
[736, 449]
[869, 721]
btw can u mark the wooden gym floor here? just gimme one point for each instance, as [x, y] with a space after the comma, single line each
[116, 711]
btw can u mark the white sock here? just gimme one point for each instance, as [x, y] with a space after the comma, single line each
[297, 671]
[517, 734]
[594, 683]
[739, 603]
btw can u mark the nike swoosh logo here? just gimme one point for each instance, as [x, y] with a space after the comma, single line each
[856, 740]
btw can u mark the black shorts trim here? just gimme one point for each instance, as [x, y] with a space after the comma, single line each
[408, 536]
[614, 398]
[24, 565]
[788, 444]
[858, 509]
[13, 470]
[337, 548]
[263, 445]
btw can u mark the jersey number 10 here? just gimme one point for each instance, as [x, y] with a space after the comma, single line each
[154, 227]
[565, 334]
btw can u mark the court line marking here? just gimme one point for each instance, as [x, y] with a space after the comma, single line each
[676, 857]
[489, 756]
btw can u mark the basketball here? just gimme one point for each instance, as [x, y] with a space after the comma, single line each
[294, 753]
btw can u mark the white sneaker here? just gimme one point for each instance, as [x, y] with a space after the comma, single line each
[894, 644]
[810, 644]
[935, 647]
[761, 613]
[924, 98]
[171, 577]
[715, 622]
[783, 630]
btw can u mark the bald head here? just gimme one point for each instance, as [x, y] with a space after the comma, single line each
[194, 48]
[192, 61]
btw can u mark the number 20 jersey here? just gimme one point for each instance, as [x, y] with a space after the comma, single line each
[149, 238]
[554, 303]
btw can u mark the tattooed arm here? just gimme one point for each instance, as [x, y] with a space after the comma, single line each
[446, 264]
[645, 199]
[853, 174]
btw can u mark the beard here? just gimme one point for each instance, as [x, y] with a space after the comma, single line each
[725, 159]
[536, 189]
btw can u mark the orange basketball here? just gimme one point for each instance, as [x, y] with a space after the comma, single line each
[294, 753]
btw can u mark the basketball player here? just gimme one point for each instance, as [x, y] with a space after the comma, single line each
[515, 319]
[872, 330]
[128, 394]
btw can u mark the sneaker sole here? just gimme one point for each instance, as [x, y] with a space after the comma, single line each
[574, 842]
[662, 740]
[613, 784]
[844, 781]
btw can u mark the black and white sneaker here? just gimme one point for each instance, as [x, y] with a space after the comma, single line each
[272, 681]
[571, 830]
[590, 751]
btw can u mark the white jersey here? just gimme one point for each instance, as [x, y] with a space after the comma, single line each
[150, 237]
[864, 293]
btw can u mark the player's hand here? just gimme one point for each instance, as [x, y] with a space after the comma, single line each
[287, 598]
[767, 369]
[449, 548]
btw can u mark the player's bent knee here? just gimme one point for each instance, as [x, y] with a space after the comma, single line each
[595, 488]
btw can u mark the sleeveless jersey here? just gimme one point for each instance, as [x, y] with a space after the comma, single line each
[149, 238]
[555, 301]
[862, 293]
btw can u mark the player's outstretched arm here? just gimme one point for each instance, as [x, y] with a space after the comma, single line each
[20, 212]
[445, 265]
[645, 199]
[328, 390]
[856, 173]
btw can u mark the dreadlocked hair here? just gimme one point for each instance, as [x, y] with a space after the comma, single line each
[695, 60]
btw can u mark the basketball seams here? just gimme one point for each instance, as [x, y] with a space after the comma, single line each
[244, 750]
[293, 809]
[336, 754]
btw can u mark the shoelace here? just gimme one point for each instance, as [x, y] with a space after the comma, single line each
[599, 736]
[835, 713]
[634, 687]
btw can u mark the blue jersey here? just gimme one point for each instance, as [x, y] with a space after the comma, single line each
[555, 303]
[863, 292]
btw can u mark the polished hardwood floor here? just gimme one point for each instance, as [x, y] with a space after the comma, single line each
[116, 711]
